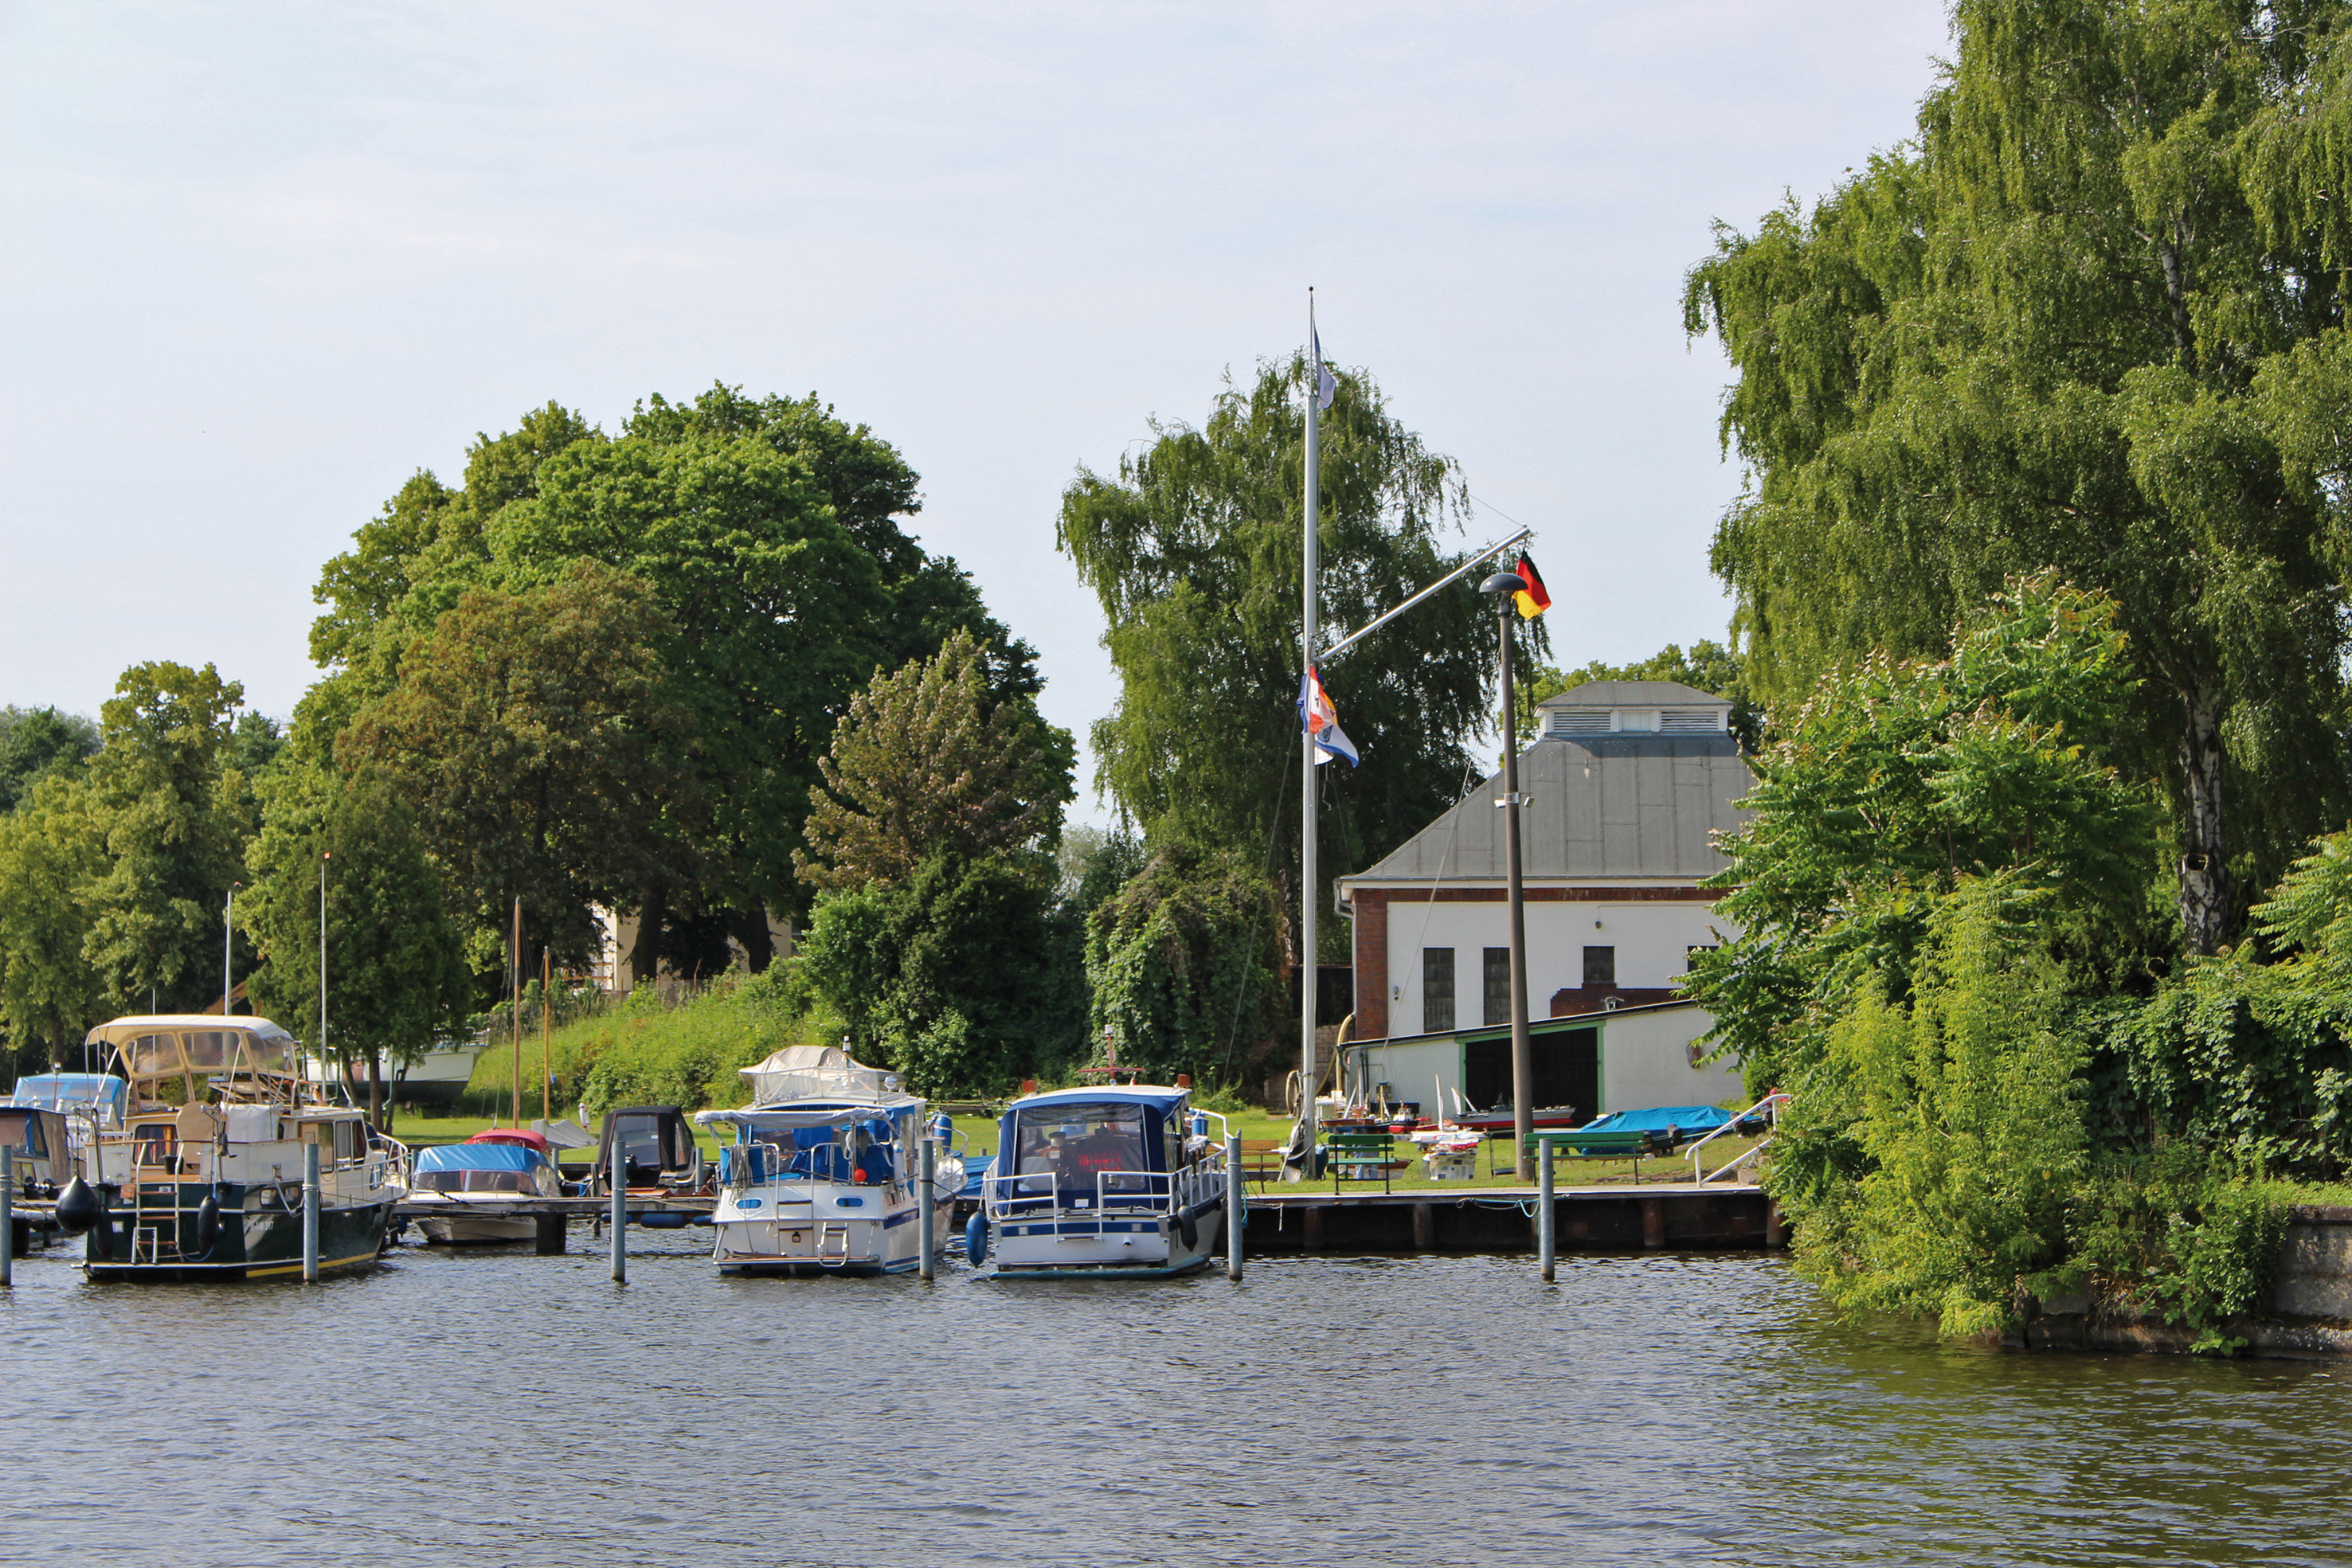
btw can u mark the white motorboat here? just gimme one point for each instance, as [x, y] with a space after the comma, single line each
[1102, 1183]
[823, 1175]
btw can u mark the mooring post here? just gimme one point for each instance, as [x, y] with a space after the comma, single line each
[616, 1178]
[1424, 1227]
[8, 1217]
[311, 1211]
[1236, 1202]
[1545, 1214]
[1653, 1222]
[926, 1212]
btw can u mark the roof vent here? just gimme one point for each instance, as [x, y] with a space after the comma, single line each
[1690, 720]
[1580, 721]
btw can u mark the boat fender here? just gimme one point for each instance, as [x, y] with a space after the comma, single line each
[78, 1207]
[207, 1224]
[975, 1239]
[1188, 1229]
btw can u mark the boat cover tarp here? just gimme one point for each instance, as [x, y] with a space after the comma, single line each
[479, 1158]
[71, 1091]
[809, 1072]
[1658, 1118]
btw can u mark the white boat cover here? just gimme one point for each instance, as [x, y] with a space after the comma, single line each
[809, 1072]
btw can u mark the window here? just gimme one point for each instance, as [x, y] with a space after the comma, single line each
[1690, 957]
[1498, 984]
[1436, 990]
[1600, 966]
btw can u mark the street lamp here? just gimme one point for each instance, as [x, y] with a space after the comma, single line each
[1505, 586]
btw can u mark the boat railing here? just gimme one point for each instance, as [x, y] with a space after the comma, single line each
[1126, 1191]
[1769, 1108]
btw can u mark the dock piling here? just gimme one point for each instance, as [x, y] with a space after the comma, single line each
[7, 1217]
[310, 1213]
[1236, 1202]
[1546, 1213]
[619, 1222]
[927, 1213]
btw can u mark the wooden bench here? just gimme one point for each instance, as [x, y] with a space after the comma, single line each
[1575, 1144]
[1261, 1160]
[1359, 1156]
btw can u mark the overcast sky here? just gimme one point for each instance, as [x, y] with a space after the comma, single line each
[262, 262]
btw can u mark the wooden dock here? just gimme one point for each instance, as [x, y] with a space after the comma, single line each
[1300, 1218]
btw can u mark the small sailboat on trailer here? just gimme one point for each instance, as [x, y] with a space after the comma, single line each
[205, 1179]
[1115, 1183]
[823, 1177]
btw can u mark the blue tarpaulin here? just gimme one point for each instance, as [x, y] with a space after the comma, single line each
[1658, 1118]
[479, 1158]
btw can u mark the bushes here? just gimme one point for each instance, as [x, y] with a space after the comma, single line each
[644, 1051]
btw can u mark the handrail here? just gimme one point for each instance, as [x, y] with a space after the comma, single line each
[1770, 1104]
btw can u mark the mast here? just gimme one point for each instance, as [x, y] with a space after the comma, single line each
[1307, 879]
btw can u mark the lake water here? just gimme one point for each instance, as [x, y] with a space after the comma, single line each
[495, 1408]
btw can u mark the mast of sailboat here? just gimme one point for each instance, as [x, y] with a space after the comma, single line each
[1308, 1069]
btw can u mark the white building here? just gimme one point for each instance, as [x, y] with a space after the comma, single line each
[1627, 780]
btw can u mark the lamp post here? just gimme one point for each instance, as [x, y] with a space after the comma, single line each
[1503, 585]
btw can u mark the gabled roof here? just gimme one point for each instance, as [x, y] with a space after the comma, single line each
[1626, 805]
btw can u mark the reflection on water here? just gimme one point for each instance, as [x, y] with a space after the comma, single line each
[495, 1408]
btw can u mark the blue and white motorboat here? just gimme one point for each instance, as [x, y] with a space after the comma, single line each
[824, 1176]
[1117, 1183]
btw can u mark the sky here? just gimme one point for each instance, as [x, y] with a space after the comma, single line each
[261, 262]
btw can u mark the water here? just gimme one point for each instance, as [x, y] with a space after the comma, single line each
[495, 1408]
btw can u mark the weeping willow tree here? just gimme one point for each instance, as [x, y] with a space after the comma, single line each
[2091, 319]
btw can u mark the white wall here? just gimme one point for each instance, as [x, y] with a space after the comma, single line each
[1652, 939]
[1645, 1061]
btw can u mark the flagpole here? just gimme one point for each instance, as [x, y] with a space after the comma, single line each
[1309, 881]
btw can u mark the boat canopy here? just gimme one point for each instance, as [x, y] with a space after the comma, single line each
[100, 1092]
[1658, 1119]
[478, 1157]
[519, 1136]
[1079, 1134]
[193, 1046]
[814, 1071]
[647, 1139]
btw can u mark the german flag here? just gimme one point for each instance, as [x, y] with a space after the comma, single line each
[1533, 599]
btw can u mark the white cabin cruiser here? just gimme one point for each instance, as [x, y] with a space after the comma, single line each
[824, 1173]
[1117, 1183]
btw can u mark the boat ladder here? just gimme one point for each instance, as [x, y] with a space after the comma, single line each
[833, 1243]
[1770, 1107]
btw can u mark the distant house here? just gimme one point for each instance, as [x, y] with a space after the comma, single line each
[1627, 780]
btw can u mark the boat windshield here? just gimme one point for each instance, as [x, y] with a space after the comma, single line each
[1079, 1143]
[472, 1181]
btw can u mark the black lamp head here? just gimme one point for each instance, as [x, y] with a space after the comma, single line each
[1504, 583]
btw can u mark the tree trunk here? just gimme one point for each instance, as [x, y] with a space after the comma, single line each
[752, 930]
[652, 911]
[2205, 893]
[375, 1091]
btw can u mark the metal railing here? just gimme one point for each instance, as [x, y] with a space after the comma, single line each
[1769, 1108]
[1148, 1194]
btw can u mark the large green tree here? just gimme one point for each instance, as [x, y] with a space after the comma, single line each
[38, 742]
[769, 532]
[174, 812]
[926, 762]
[532, 734]
[1193, 550]
[965, 974]
[395, 969]
[51, 851]
[2091, 319]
